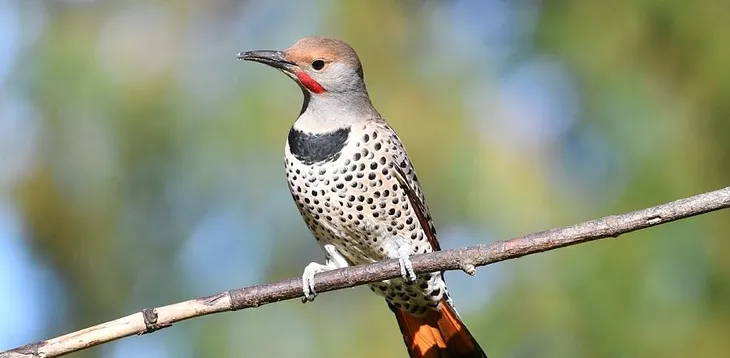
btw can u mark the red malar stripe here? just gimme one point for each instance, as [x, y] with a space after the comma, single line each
[309, 82]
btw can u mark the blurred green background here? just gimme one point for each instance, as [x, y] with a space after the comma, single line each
[141, 164]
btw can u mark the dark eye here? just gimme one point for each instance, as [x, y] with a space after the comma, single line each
[317, 64]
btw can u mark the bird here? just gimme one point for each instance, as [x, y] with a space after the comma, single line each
[355, 187]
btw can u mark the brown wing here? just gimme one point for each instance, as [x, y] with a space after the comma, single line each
[419, 206]
[408, 181]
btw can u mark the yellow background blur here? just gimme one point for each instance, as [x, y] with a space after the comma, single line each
[141, 164]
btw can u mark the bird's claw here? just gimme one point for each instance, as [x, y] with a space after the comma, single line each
[334, 260]
[406, 266]
[308, 280]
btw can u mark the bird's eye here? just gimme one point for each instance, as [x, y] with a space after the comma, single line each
[317, 65]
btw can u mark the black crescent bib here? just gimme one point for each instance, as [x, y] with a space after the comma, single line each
[311, 148]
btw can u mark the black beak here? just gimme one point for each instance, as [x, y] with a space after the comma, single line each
[274, 59]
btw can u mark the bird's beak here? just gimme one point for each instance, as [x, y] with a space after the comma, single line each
[275, 59]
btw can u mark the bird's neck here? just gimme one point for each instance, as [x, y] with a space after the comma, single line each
[324, 113]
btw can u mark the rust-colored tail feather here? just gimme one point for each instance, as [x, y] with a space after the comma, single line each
[438, 334]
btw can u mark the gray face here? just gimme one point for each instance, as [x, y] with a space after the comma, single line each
[321, 65]
[336, 77]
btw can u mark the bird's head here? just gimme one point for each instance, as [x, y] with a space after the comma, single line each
[320, 65]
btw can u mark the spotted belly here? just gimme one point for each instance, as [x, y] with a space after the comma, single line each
[353, 200]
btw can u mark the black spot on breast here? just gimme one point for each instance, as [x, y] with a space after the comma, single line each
[311, 148]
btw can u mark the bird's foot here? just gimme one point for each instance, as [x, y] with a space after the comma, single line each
[402, 250]
[308, 280]
[334, 260]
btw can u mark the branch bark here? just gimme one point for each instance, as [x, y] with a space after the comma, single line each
[466, 259]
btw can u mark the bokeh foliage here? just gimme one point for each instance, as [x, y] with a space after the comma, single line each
[157, 171]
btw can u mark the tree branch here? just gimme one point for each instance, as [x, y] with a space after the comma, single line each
[150, 320]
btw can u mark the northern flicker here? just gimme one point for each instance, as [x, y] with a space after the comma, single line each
[354, 185]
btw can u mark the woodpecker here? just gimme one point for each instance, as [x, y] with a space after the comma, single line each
[353, 183]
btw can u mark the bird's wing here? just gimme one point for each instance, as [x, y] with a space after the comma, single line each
[412, 189]
[406, 175]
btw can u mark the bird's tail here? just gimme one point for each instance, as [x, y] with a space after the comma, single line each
[438, 334]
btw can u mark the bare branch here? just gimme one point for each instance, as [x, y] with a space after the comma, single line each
[150, 320]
